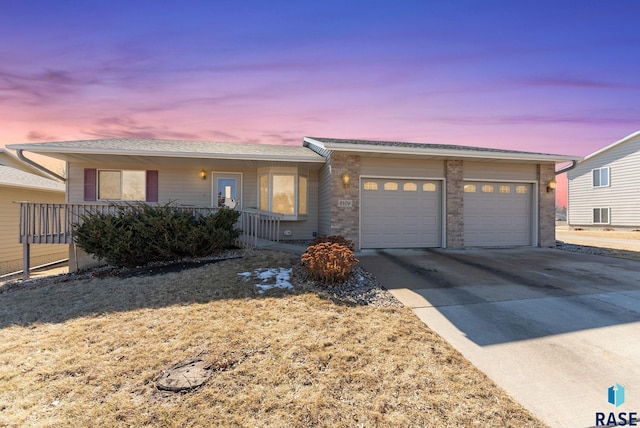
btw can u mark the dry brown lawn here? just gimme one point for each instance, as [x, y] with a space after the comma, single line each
[88, 352]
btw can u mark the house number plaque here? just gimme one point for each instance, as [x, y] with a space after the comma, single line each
[345, 203]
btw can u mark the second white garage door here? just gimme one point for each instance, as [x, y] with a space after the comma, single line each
[400, 213]
[497, 214]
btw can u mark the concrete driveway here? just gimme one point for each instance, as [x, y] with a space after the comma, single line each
[555, 329]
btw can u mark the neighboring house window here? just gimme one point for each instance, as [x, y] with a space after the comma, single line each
[120, 185]
[601, 216]
[283, 193]
[601, 177]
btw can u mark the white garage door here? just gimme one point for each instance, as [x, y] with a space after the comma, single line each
[497, 214]
[400, 213]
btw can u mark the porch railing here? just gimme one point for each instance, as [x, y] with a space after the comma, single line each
[44, 223]
[256, 224]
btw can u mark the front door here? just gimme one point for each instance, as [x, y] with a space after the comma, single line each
[227, 190]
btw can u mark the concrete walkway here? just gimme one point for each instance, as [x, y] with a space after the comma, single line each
[554, 329]
[596, 241]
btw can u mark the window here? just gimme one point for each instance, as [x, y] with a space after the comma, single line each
[410, 187]
[264, 193]
[504, 189]
[487, 188]
[370, 185]
[283, 192]
[521, 190]
[601, 215]
[302, 195]
[428, 187]
[469, 188]
[122, 185]
[601, 177]
[390, 185]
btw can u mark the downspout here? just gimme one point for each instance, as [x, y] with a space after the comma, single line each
[562, 170]
[39, 167]
[566, 168]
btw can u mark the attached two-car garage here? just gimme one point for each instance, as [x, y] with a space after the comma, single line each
[406, 213]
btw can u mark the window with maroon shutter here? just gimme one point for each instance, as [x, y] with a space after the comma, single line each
[90, 176]
[152, 186]
[121, 185]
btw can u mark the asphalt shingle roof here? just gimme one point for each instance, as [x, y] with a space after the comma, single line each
[13, 177]
[184, 148]
[425, 146]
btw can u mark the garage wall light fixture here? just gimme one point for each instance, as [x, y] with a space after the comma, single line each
[551, 185]
[203, 174]
[346, 178]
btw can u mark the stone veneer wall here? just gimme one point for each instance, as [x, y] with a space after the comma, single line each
[345, 221]
[454, 173]
[546, 206]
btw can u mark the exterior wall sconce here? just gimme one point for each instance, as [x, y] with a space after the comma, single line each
[346, 178]
[203, 174]
[551, 185]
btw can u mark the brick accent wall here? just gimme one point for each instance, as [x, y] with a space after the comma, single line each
[546, 206]
[345, 221]
[454, 173]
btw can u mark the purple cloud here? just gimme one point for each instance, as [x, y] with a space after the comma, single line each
[126, 127]
[573, 82]
[40, 136]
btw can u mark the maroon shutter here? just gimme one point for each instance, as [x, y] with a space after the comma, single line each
[152, 186]
[90, 175]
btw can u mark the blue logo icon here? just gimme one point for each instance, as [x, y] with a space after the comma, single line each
[616, 395]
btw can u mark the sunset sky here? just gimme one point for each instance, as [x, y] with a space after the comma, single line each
[548, 76]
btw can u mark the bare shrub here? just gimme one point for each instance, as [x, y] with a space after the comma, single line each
[333, 239]
[329, 262]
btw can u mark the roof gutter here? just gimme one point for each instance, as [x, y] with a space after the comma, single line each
[39, 167]
[566, 168]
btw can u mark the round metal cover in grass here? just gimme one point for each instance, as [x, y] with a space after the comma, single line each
[184, 376]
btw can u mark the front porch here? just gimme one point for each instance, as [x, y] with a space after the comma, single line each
[47, 223]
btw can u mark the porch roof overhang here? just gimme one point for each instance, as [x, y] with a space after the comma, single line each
[432, 151]
[13, 177]
[136, 150]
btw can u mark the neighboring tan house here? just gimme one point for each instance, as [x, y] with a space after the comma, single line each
[378, 194]
[604, 187]
[21, 182]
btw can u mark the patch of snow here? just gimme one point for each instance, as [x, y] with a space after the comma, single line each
[281, 276]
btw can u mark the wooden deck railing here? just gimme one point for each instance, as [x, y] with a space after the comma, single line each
[43, 223]
[256, 224]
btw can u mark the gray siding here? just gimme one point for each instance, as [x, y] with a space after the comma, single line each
[622, 195]
[499, 171]
[183, 186]
[401, 167]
